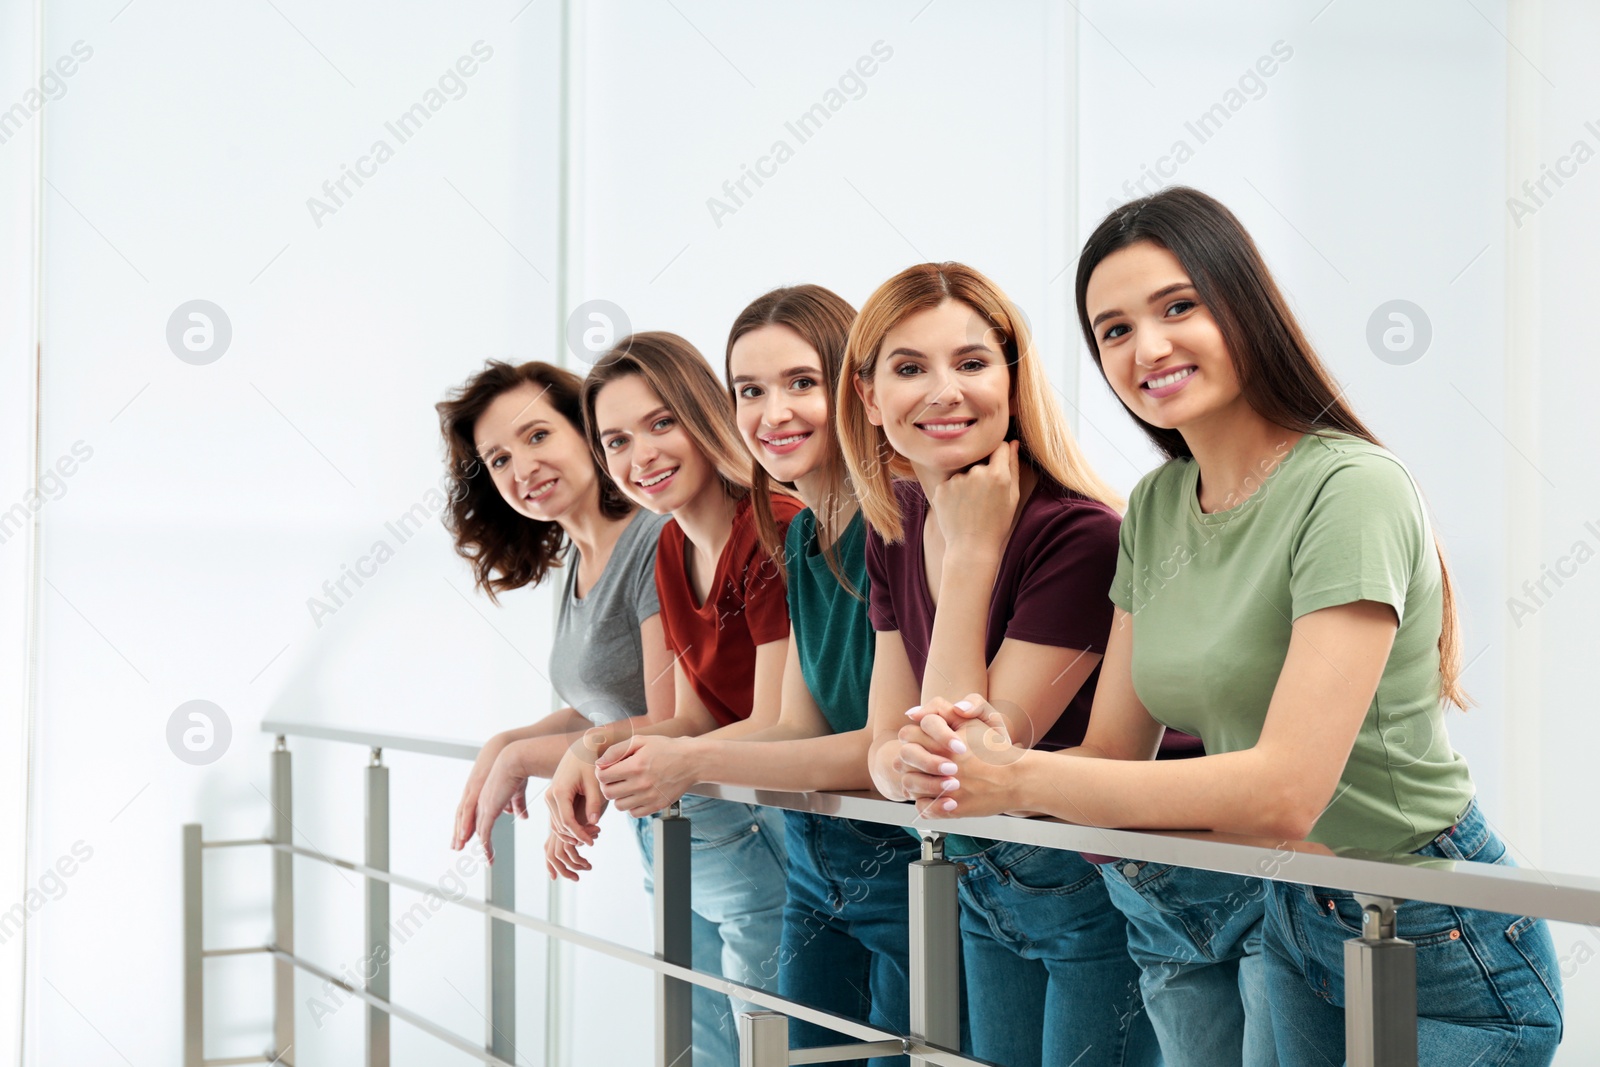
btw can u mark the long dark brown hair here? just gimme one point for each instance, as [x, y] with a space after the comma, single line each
[507, 550]
[1280, 374]
[822, 319]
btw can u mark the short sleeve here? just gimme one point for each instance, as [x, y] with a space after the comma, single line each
[766, 603]
[1061, 596]
[794, 554]
[1363, 538]
[880, 602]
[1122, 579]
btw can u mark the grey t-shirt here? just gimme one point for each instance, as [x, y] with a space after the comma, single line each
[597, 662]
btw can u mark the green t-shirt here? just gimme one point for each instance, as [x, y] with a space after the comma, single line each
[1212, 597]
[833, 637]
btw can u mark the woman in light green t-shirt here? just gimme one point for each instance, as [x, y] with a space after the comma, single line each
[1279, 593]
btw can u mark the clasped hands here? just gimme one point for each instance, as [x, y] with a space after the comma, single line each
[955, 759]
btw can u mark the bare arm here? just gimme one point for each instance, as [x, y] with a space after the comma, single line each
[894, 691]
[1277, 788]
[800, 753]
[538, 755]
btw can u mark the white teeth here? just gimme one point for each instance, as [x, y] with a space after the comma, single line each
[657, 480]
[779, 442]
[535, 494]
[1163, 382]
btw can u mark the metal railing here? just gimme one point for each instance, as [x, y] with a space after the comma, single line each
[1380, 974]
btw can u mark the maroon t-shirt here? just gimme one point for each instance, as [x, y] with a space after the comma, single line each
[1052, 587]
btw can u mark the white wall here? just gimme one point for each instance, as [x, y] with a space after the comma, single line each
[178, 559]
[218, 498]
[1559, 480]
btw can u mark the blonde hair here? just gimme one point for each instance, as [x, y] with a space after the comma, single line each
[1047, 440]
[680, 376]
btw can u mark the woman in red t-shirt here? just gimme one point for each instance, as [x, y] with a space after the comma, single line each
[659, 420]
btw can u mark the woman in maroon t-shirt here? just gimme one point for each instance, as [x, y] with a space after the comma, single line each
[990, 557]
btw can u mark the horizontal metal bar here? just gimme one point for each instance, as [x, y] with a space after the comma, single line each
[827, 1020]
[1490, 887]
[1512, 890]
[237, 843]
[450, 1038]
[208, 953]
[835, 1053]
[430, 746]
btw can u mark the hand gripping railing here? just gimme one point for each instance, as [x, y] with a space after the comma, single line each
[1380, 969]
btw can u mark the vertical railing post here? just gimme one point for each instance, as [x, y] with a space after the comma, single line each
[282, 901]
[377, 909]
[501, 951]
[194, 1028]
[935, 930]
[673, 926]
[763, 1039]
[1380, 990]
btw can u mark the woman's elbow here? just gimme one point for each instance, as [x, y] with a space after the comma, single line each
[1294, 811]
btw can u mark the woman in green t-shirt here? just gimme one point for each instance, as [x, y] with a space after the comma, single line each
[1279, 593]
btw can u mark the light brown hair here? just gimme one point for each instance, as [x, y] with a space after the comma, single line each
[822, 319]
[680, 376]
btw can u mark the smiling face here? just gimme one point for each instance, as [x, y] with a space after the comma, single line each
[940, 389]
[780, 401]
[538, 460]
[1161, 349]
[648, 453]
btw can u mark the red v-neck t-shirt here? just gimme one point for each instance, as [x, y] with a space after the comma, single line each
[715, 642]
[1051, 588]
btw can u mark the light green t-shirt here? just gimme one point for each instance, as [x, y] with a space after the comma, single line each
[1212, 598]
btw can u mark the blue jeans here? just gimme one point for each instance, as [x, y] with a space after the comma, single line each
[1197, 938]
[1049, 980]
[737, 881]
[1488, 984]
[845, 942]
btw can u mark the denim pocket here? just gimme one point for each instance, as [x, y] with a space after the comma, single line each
[716, 823]
[1046, 871]
[1419, 922]
[1531, 938]
[876, 835]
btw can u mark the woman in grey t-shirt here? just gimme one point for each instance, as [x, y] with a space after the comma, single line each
[529, 497]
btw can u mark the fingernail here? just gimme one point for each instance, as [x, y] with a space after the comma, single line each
[948, 805]
[958, 746]
[913, 710]
[950, 784]
[964, 705]
[948, 768]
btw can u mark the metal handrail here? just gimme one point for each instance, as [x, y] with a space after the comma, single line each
[1460, 883]
[1380, 991]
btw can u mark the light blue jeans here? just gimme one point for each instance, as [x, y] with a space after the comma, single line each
[737, 879]
[1197, 938]
[1488, 985]
[1049, 979]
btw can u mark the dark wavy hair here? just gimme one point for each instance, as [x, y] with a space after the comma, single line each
[507, 550]
[1280, 375]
